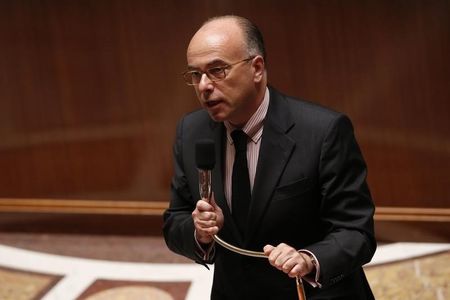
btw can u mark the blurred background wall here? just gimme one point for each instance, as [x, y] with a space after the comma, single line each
[90, 93]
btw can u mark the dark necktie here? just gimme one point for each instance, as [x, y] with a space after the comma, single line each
[240, 183]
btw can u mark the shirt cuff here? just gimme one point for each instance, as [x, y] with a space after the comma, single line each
[205, 252]
[313, 278]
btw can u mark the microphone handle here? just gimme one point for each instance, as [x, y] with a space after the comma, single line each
[204, 183]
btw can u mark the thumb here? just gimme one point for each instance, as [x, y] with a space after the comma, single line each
[213, 201]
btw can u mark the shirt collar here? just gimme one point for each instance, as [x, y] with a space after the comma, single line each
[253, 127]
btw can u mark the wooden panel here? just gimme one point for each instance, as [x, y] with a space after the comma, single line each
[72, 223]
[70, 206]
[156, 208]
[145, 218]
[90, 91]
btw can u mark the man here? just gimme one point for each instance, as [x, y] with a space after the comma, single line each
[308, 206]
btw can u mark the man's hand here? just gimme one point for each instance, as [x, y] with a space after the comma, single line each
[289, 260]
[208, 220]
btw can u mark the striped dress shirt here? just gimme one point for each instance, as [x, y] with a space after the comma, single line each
[253, 128]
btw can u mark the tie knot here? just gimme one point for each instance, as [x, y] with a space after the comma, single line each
[240, 140]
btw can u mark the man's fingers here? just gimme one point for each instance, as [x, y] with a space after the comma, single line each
[273, 256]
[207, 216]
[203, 211]
[268, 249]
[205, 223]
[284, 261]
[295, 271]
[274, 253]
[287, 259]
[208, 230]
[288, 265]
[203, 205]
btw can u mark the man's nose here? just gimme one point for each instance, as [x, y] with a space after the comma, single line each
[205, 83]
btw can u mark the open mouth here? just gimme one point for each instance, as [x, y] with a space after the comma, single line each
[212, 103]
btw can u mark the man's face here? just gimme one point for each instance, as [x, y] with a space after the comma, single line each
[233, 98]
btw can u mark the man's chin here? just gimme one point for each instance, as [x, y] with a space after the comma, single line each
[217, 117]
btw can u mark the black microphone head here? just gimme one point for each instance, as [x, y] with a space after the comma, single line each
[205, 155]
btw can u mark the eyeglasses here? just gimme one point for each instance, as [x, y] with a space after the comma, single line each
[214, 74]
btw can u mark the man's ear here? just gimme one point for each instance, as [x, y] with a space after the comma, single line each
[259, 67]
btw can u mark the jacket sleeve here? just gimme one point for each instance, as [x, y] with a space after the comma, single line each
[346, 207]
[178, 227]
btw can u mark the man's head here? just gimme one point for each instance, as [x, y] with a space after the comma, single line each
[231, 51]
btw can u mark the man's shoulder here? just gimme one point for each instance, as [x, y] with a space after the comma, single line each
[306, 110]
[199, 117]
[310, 107]
[195, 123]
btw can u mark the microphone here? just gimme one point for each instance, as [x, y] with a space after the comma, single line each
[205, 159]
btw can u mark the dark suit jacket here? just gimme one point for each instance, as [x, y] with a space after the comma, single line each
[310, 192]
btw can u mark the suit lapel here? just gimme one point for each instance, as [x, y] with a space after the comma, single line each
[275, 151]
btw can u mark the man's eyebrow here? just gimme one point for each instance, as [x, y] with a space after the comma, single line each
[216, 62]
[209, 64]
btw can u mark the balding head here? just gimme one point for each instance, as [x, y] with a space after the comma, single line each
[252, 35]
[222, 36]
[235, 30]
